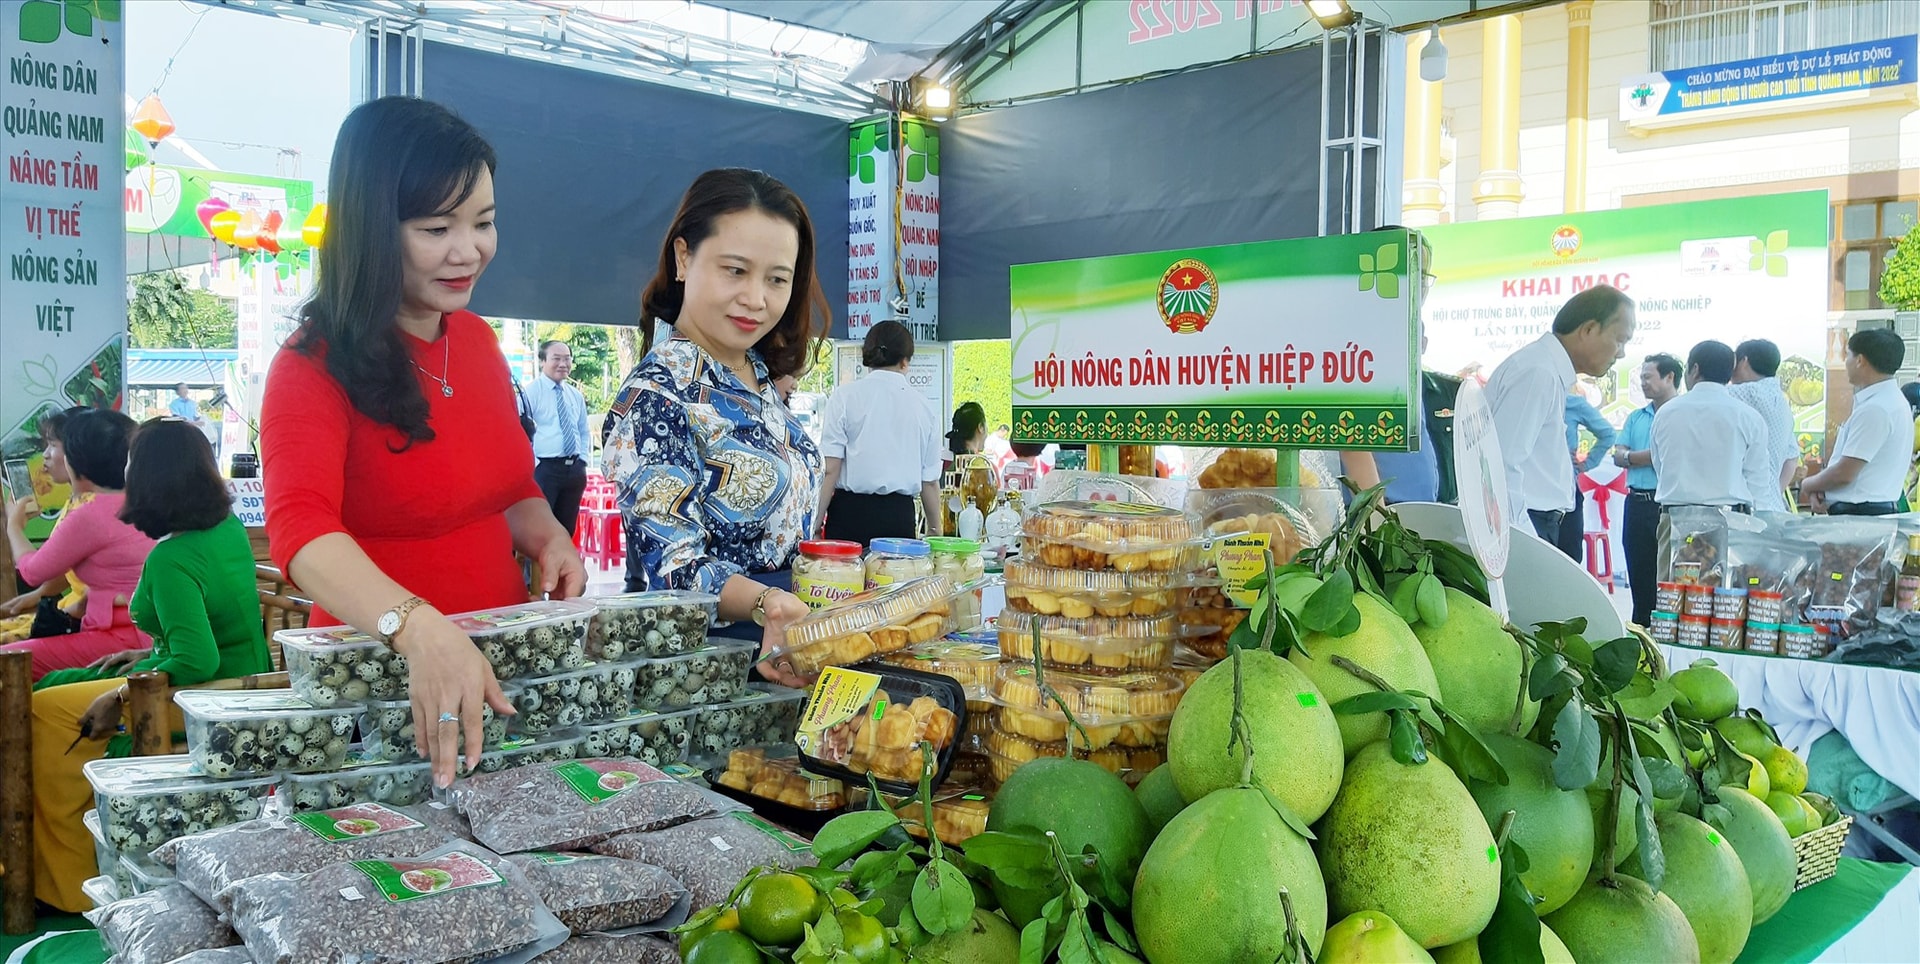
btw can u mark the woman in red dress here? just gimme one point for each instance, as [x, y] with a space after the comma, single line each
[398, 481]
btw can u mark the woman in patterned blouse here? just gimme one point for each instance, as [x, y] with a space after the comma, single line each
[717, 480]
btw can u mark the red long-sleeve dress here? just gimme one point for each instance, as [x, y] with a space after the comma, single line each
[432, 517]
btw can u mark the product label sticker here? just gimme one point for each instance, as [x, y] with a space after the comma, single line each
[403, 880]
[1240, 558]
[1307, 699]
[821, 591]
[354, 822]
[719, 844]
[597, 781]
[839, 698]
[1493, 855]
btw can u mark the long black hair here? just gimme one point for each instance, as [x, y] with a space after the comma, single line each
[396, 159]
[788, 345]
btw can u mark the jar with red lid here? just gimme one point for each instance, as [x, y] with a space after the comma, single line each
[828, 571]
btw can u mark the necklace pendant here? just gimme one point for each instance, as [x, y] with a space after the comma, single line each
[446, 390]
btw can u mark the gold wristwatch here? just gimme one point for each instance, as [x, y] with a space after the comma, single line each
[394, 620]
[760, 607]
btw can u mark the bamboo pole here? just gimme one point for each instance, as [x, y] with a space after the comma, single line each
[16, 792]
[147, 716]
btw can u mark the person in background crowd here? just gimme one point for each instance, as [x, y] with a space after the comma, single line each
[1708, 448]
[91, 541]
[184, 408]
[1873, 447]
[1527, 396]
[783, 388]
[391, 446]
[1581, 414]
[55, 608]
[1754, 383]
[969, 431]
[996, 448]
[559, 413]
[196, 600]
[1640, 531]
[717, 481]
[881, 442]
[1027, 467]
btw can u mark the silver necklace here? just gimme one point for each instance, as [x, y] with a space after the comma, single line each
[446, 346]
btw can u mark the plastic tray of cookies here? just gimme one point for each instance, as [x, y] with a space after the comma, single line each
[1093, 700]
[240, 732]
[329, 667]
[755, 778]
[1007, 752]
[1093, 645]
[531, 639]
[1207, 628]
[714, 674]
[1082, 593]
[148, 800]
[664, 622]
[959, 809]
[1121, 536]
[872, 722]
[971, 664]
[882, 620]
[1054, 728]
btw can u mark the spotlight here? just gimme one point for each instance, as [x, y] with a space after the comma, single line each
[1332, 13]
[1433, 57]
[939, 98]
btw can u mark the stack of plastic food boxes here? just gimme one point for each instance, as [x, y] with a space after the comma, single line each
[1103, 584]
[143, 802]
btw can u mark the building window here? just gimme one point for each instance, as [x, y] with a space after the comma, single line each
[1864, 233]
[1695, 33]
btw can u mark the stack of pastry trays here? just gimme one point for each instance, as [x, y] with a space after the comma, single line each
[1125, 719]
[877, 622]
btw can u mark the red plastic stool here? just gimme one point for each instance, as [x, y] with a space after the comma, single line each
[1600, 558]
[607, 544]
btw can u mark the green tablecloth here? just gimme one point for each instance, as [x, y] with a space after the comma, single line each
[1818, 916]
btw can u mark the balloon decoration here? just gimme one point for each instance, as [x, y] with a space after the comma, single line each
[313, 230]
[207, 209]
[268, 237]
[223, 224]
[136, 150]
[290, 238]
[152, 121]
[246, 235]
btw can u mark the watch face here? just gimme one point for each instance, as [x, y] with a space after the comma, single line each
[389, 623]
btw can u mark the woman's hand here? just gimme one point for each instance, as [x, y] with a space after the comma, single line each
[102, 719]
[783, 609]
[19, 509]
[20, 604]
[111, 662]
[448, 679]
[563, 575]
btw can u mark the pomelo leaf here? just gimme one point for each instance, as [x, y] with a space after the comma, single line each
[1033, 942]
[1431, 598]
[1349, 625]
[1375, 702]
[825, 932]
[1287, 816]
[848, 834]
[874, 870]
[1669, 781]
[1017, 860]
[1403, 735]
[1615, 662]
[1329, 604]
[1402, 595]
[1653, 860]
[1077, 944]
[1117, 932]
[1513, 935]
[1463, 750]
[1577, 760]
[942, 898]
[1545, 681]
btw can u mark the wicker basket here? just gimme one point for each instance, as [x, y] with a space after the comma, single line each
[1817, 852]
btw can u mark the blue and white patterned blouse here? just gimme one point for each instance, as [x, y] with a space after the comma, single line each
[713, 479]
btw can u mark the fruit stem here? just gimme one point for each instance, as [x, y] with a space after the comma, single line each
[1047, 691]
[1363, 674]
[1238, 730]
[1076, 899]
[927, 768]
[1526, 673]
[1612, 828]
[1296, 942]
[1506, 827]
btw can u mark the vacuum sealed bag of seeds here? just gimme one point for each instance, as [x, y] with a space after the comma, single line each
[300, 843]
[458, 903]
[236, 954]
[710, 856]
[157, 927]
[577, 803]
[612, 949]
[592, 892]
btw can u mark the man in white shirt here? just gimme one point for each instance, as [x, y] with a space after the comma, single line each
[1709, 448]
[1528, 394]
[559, 414]
[881, 442]
[1754, 367]
[1871, 451]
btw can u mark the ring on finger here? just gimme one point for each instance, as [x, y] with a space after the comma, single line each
[448, 718]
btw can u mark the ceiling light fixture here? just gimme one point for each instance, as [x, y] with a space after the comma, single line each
[1433, 57]
[1332, 14]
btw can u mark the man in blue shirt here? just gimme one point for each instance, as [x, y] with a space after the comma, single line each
[1660, 383]
[1580, 414]
[184, 408]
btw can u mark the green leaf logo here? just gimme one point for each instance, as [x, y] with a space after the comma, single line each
[1377, 272]
[41, 20]
[1769, 255]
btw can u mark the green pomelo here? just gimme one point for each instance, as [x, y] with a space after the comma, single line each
[1468, 951]
[1554, 826]
[987, 939]
[1408, 841]
[1746, 735]
[1626, 839]
[1791, 812]
[1382, 645]
[1080, 802]
[1195, 901]
[1705, 693]
[1370, 937]
[1479, 666]
[1625, 923]
[1297, 748]
[1766, 852]
[1708, 884]
[1159, 797]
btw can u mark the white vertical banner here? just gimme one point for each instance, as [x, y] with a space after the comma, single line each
[918, 264]
[870, 224]
[265, 319]
[63, 293]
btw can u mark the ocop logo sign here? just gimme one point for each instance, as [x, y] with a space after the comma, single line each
[1189, 293]
[1566, 241]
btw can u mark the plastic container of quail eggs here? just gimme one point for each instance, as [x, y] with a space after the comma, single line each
[768, 716]
[340, 664]
[656, 739]
[716, 674]
[531, 639]
[147, 801]
[595, 694]
[550, 748]
[652, 625]
[144, 876]
[387, 732]
[393, 784]
[101, 890]
[105, 858]
[231, 732]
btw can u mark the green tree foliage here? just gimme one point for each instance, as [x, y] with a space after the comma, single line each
[1900, 281]
[164, 314]
[983, 372]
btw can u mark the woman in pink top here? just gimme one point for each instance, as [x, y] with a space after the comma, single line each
[106, 553]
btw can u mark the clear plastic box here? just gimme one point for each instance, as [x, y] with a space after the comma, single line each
[387, 732]
[716, 674]
[531, 639]
[552, 748]
[1121, 536]
[393, 784]
[780, 781]
[593, 694]
[871, 722]
[1093, 700]
[130, 875]
[147, 801]
[1007, 752]
[1083, 593]
[970, 664]
[1054, 728]
[340, 664]
[883, 620]
[656, 739]
[1095, 645]
[101, 890]
[654, 625]
[768, 716]
[232, 732]
[144, 876]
